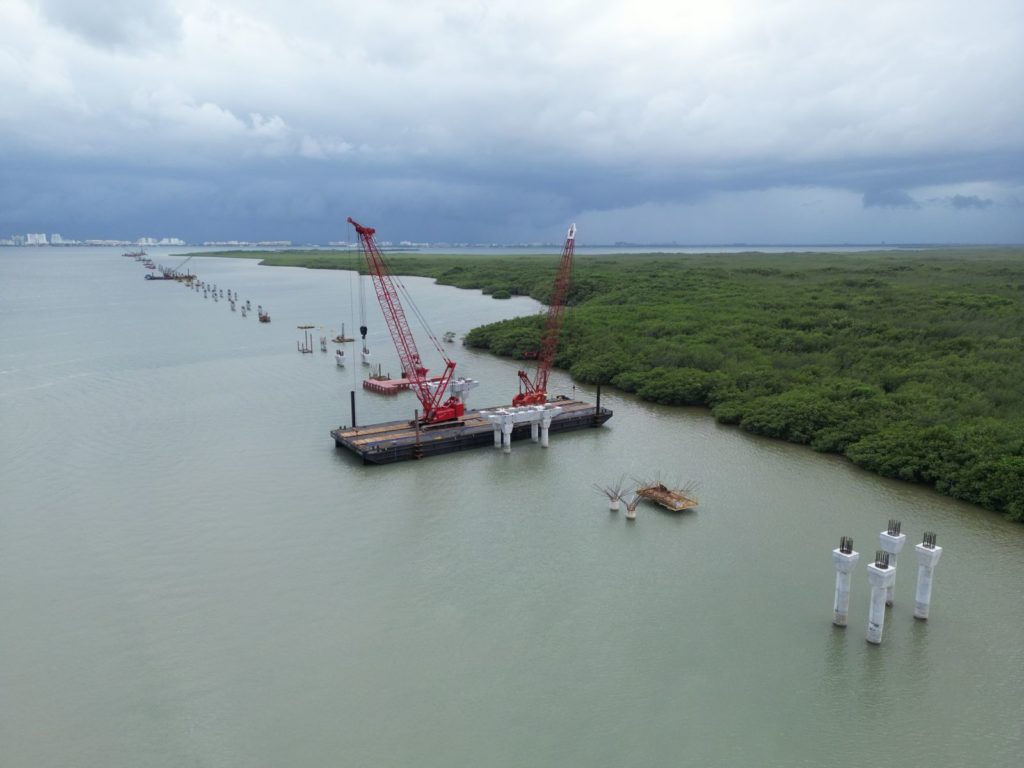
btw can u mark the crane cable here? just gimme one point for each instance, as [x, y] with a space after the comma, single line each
[362, 297]
[352, 275]
[421, 318]
[412, 305]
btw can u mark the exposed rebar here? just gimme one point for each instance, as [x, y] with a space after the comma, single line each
[613, 492]
[846, 545]
[881, 559]
[929, 540]
[894, 527]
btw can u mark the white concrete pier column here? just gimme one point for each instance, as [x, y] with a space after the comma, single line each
[545, 424]
[928, 554]
[844, 559]
[497, 435]
[892, 541]
[614, 504]
[506, 432]
[534, 431]
[881, 577]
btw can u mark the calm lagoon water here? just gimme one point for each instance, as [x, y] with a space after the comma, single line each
[192, 574]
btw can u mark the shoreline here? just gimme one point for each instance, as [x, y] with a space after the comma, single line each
[907, 363]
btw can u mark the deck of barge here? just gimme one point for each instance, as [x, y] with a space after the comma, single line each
[391, 386]
[399, 440]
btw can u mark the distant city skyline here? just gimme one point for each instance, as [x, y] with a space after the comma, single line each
[651, 121]
[56, 239]
[30, 240]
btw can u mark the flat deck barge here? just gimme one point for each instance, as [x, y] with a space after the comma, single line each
[400, 440]
[390, 386]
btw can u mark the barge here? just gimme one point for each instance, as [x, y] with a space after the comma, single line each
[404, 440]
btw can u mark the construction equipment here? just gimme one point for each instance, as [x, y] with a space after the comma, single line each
[176, 271]
[535, 391]
[430, 393]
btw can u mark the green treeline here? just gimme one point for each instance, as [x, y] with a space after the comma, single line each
[909, 363]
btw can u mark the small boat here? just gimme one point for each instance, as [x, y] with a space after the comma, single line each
[304, 327]
[341, 338]
[674, 500]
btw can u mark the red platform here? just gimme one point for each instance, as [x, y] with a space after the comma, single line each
[390, 386]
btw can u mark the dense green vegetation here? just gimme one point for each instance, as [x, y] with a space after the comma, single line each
[909, 363]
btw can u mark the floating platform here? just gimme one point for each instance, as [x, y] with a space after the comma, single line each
[670, 498]
[400, 440]
[390, 386]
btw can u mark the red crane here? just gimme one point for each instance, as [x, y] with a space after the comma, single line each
[430, 393]
[536, 392]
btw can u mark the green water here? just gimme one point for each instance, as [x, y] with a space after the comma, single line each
[192, 575]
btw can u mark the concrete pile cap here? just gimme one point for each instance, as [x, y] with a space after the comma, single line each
[844, 561]
[881, 577]
[928, 556]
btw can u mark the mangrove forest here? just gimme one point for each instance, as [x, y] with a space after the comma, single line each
[909, 363]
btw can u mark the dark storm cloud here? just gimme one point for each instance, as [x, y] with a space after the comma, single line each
[428, 198]
[889, 198]
[455, 121]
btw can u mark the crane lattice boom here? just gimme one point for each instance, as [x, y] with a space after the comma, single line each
[535, 392]
[430, 394]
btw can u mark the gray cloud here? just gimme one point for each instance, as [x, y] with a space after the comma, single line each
[889, 198]
[508, 116]
[115, 23]
[962, 202]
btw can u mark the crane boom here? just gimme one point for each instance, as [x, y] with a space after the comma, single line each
[535, 392]
[430, 394]
[186, 261]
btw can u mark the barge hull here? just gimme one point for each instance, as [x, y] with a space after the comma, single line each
[399, 441]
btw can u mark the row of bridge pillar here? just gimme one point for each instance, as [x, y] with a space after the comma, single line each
[882, 577]
[504, 420]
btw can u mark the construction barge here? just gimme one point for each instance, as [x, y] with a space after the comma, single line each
[404, 440]
[673, 499]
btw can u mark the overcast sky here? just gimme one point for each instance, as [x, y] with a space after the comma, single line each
[719, 121]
